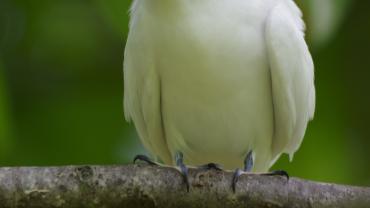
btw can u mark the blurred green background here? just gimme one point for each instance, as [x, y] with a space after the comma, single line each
[61, 87]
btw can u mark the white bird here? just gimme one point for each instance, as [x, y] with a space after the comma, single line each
[217, 80]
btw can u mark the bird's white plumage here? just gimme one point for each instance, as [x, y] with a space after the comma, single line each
[292, 78]
[215, 79]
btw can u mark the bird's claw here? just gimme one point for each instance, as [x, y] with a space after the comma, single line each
[144, 159]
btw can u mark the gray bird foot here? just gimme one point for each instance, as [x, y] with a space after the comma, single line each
[239, 172]
[179, 163]
[179, 158]
[248, 165]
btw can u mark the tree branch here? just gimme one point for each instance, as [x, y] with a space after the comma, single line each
[149, 186]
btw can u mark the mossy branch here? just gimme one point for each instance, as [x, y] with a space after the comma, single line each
[150, 186]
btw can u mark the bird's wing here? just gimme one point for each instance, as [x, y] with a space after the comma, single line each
[292, 76]
[142, 97]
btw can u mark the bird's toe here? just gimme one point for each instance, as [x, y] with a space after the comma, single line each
[144, 158]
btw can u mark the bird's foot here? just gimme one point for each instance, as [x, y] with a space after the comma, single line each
[183, 169]
[144, 159]
[179, 162]
[248, 165]
[236, 176]
[239, 172]
[211, 166]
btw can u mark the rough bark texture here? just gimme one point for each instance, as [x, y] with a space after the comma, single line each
[148, 186]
